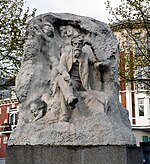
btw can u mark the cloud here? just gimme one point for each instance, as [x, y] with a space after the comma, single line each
[91, 8]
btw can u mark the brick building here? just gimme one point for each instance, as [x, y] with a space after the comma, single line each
[134, 95]
[9, 109]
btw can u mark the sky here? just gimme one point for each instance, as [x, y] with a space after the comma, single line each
[92, 8]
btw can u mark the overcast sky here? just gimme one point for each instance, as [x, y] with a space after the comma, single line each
[92, 8]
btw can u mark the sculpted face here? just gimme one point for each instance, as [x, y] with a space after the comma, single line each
[66, 31]
[63, 31]
[70, 31]
[77, 44]
[48, 29]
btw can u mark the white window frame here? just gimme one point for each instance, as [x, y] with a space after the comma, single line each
[13, 122]
[141, 105]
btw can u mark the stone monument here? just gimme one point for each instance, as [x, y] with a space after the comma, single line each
[68, 89]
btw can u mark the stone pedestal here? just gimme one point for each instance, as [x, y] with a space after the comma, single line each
[73, 155]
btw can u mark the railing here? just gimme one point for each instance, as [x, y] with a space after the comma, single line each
[6, 128]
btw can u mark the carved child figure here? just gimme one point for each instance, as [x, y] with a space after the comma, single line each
[38, 108]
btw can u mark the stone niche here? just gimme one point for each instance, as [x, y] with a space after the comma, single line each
[98, 118]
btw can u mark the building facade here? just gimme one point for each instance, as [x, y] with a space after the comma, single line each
[135, 78]
[9, 110]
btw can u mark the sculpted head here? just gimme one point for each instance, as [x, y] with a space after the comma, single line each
[48, 29]
[77, 43]
[66, 31]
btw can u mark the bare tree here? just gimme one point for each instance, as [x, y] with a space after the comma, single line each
[131, 20]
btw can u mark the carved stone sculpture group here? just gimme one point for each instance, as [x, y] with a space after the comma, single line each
[68, 85]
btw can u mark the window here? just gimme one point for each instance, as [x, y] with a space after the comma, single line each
[13, 118]
[149, 105]
[146, 75]
[138, 44]
[139, 76]
[143, 74]
[139, 72]
[148, 45]
[141, 106]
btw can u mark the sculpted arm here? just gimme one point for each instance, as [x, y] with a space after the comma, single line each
[93, 59]
[40, 32]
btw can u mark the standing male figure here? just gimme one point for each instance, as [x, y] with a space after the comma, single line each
[73, 71]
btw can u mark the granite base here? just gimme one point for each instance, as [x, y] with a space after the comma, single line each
[73, 155]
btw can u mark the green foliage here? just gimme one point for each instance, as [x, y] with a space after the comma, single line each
[12, 33]
[131, 19]
[129, 10]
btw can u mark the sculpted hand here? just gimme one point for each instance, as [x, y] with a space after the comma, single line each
[102, 63]
[68, 79]
[97, 64]
[66, 76]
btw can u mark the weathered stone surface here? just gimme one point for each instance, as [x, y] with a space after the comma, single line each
[98, 118]
[73, 155]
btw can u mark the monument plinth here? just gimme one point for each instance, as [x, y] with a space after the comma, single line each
[68, 88]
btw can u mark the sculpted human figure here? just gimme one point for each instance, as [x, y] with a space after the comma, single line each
[67, 32]
[73, 75]
[79, 55]
[49, 48]
[43, 43]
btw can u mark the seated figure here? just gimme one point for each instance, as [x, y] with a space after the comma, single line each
[73, 75]
[67, 85]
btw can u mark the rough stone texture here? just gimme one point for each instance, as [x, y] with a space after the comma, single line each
[99, 118]
[73, 155]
